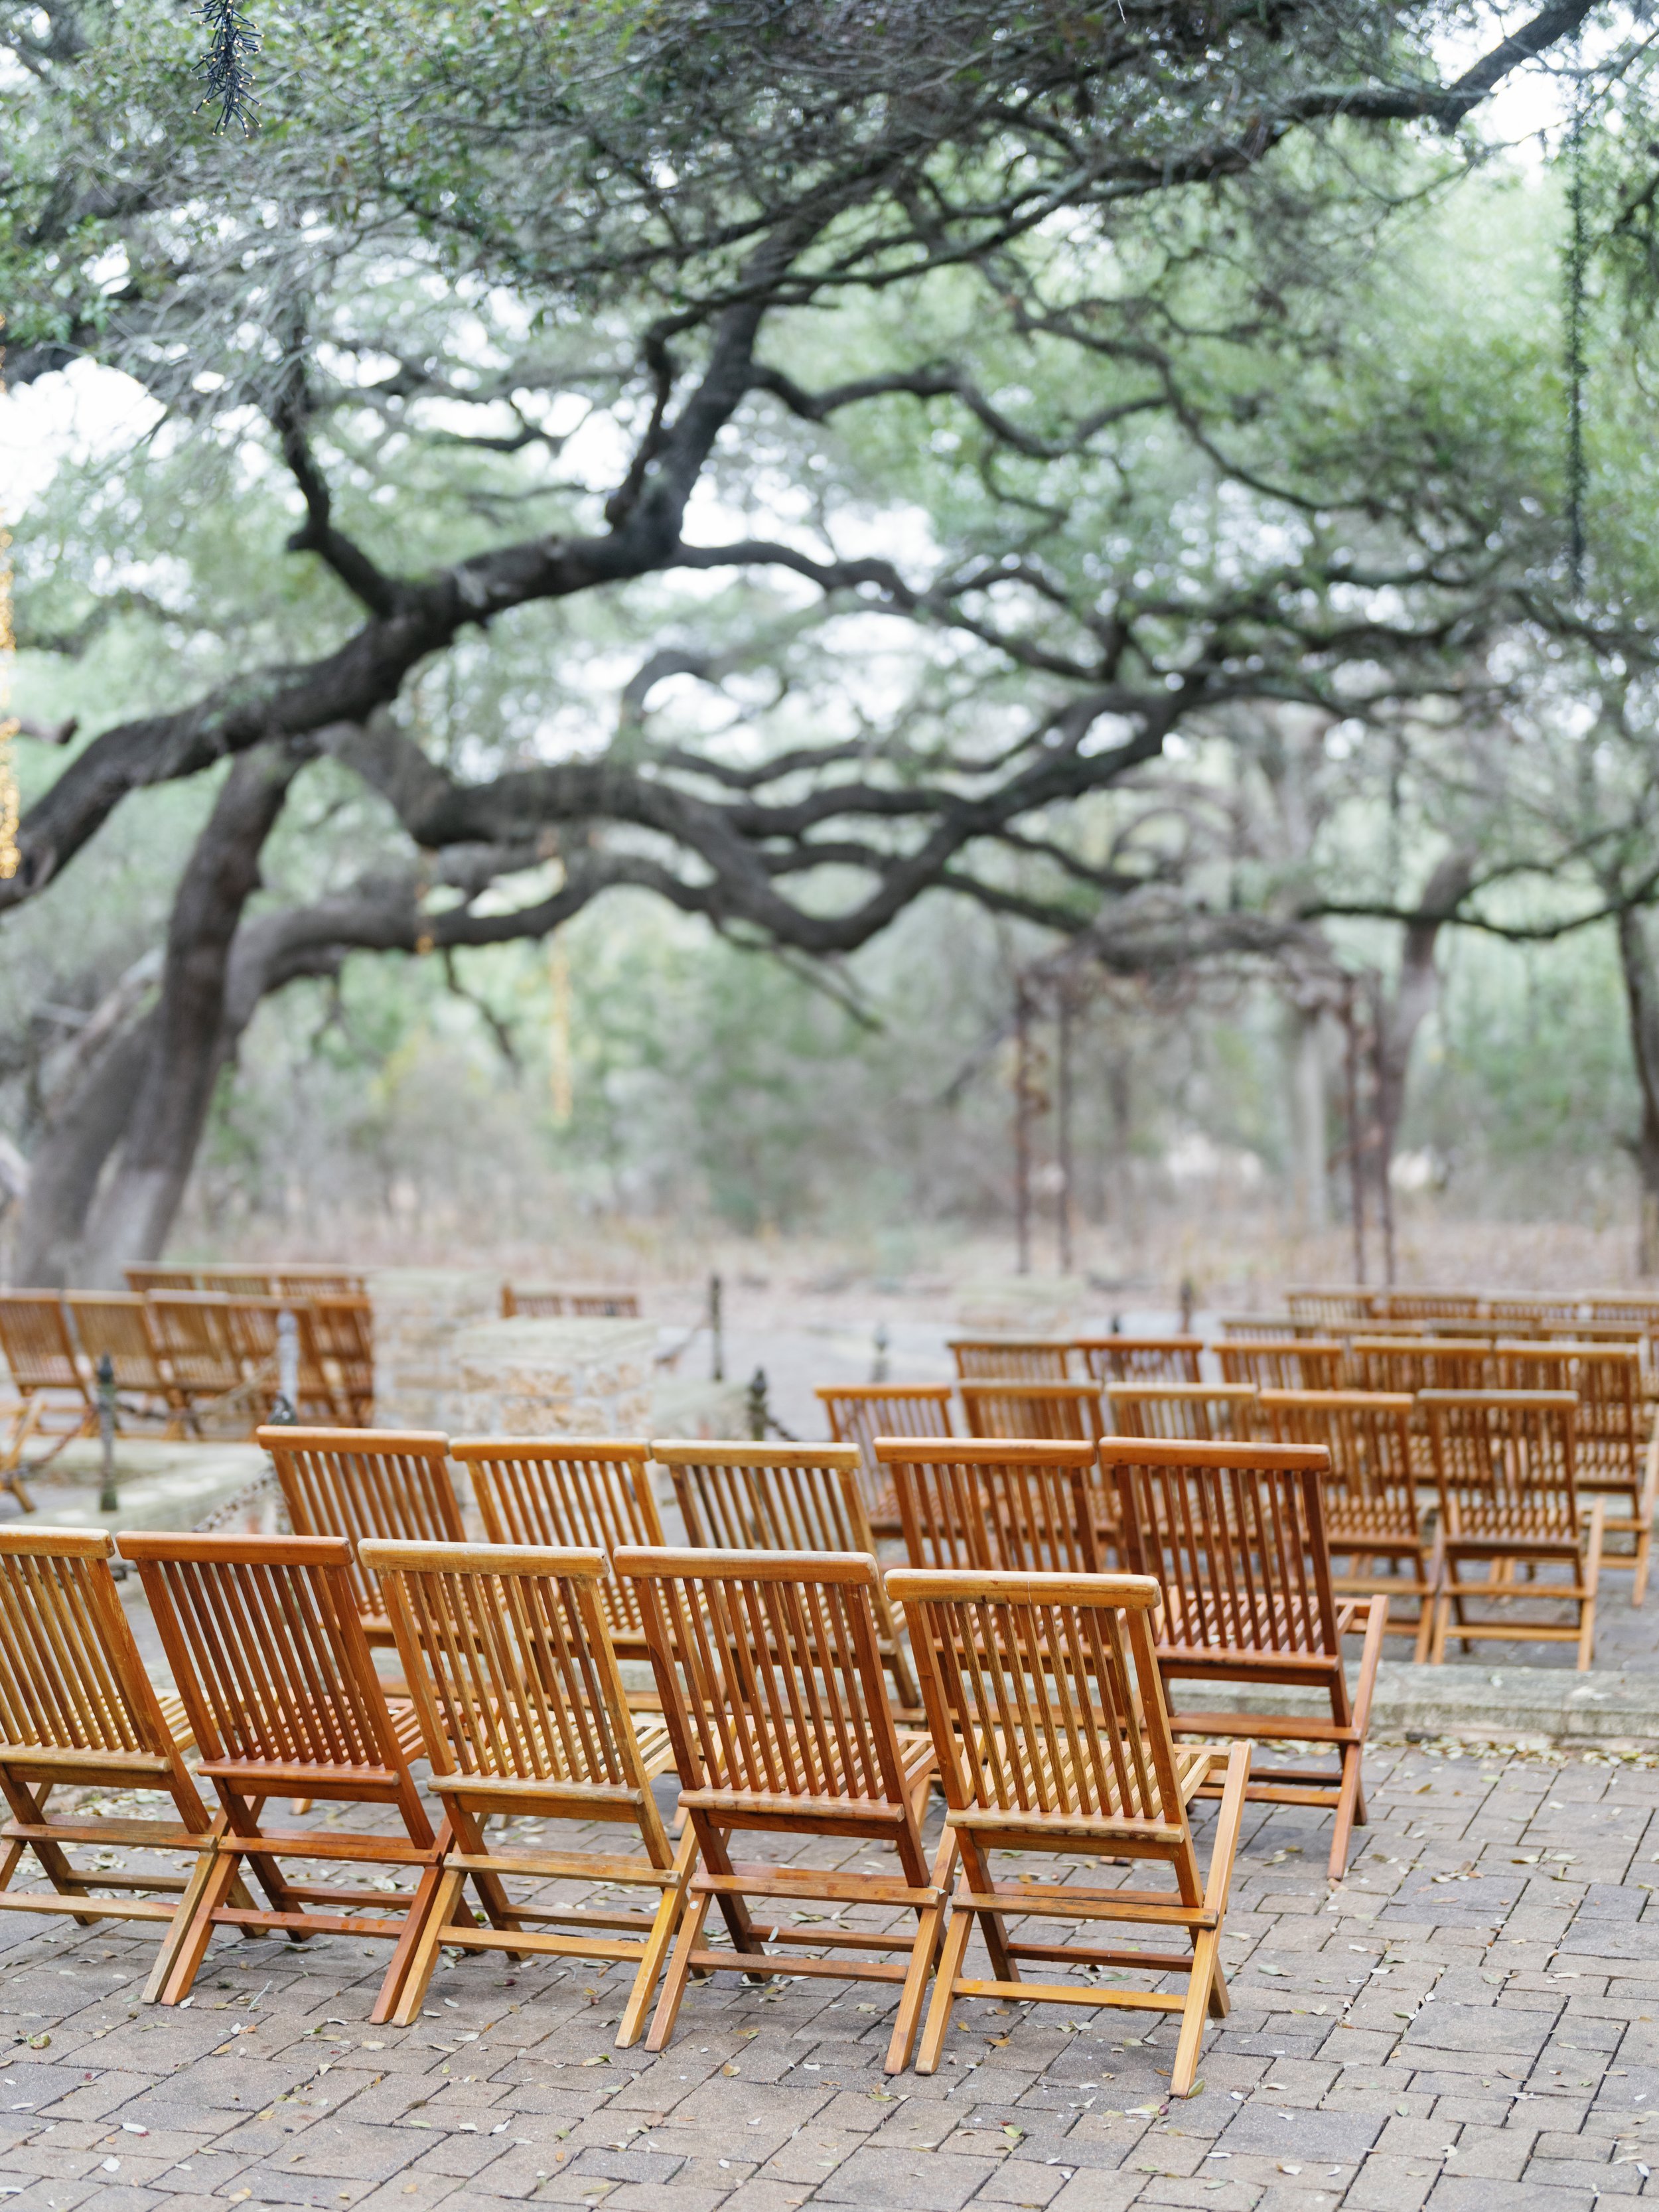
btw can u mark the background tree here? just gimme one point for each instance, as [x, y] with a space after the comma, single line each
[780, 341]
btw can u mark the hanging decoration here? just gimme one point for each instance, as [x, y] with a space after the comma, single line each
[1575, 340]
[10, 809]
[227, 67]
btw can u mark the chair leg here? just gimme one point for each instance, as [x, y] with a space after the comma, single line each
[1639, 1581]
[1199, 1987]
[673, 1988]
[191, 1946]
[656, 1948]
[1349, 1808]
[409, 1976]
[929, 1928]
[178, 1928]
[958, 1931]
[1591, 1586]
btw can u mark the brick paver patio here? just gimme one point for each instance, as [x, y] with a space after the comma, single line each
[1473, 2020]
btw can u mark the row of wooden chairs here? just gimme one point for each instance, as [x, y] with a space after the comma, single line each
[1045, 1726]
[523, 1301]
[1616, 1441]
[1357, 1305]
[177, 1354]
[291, 1279]
[984, 1506]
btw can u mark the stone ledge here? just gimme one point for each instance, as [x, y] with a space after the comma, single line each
[1501, 1704]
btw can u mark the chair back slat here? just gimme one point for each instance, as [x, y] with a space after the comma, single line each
[1194, 1413]
[70, 1675]
[992, 1506]
[859, 1413]
[768, 1497]
[1018, 1359]
[1141, 1358]
[193, 1333]
[1331, 1305]
[1283, 1363]
[770, 1672]
[357, 1483]
[1412, 1364]
[1368, 1436]
[114, 1324]
[1035, 1410]
[1044, 1694]
[509, 1662]
[1505, 1461]
[1614, 1421]
[35, 1340]
[568, 1493]
[1236, 1533]
[266, 1649]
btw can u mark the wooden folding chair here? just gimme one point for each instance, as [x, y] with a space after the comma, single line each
[859, 1413]
[530, 1305]
[1284, 1363]
[78, 1709]
[1235, 1535]
[1032, 1410]
[522, 1711]
[1048, 1713]
[1615, 1439]
[1141, 1358]
[1234, 1325]
[1018, 1359]
[1027, 1508]
[771, 1674]
[571, 1494]
[342, 1333]
[1429, 1305]
[263, 1636]
[1393, 1364]
[358, 1483]
[1200, 1413]
[1531, 1313]
[192, 1333]
[1509, 1500]
[314, 1279]
[605, 1305]
[783, 1498]
[159, 1278]
[54, 1398]
[1371, 1509]
[1336, 1306]
[115, 1325]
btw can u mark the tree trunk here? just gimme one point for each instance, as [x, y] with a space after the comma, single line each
[1308, 1137]
[1416, 992]
[188, 1038]
[1636, 955]
[140, 1084]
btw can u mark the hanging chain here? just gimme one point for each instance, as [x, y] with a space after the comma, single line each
[9, 801]
[1574, 359]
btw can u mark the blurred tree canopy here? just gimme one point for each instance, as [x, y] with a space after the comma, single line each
[786, 459]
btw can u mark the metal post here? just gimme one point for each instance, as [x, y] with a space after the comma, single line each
[1188, 1296]
[1063, 1129]
[1356, 1142]
[287, 1407]
[878, 1366]
[1384, 1129]
[1022, 1128]
[716, 1330]
[108, 1498]
[759, 1419]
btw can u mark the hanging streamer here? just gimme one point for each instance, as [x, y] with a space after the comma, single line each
[10, 801]
[1575, 333]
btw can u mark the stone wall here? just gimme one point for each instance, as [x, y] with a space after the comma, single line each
[554, 1378]
[419, 1312]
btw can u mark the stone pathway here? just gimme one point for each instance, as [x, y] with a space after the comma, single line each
[1470, 2021]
